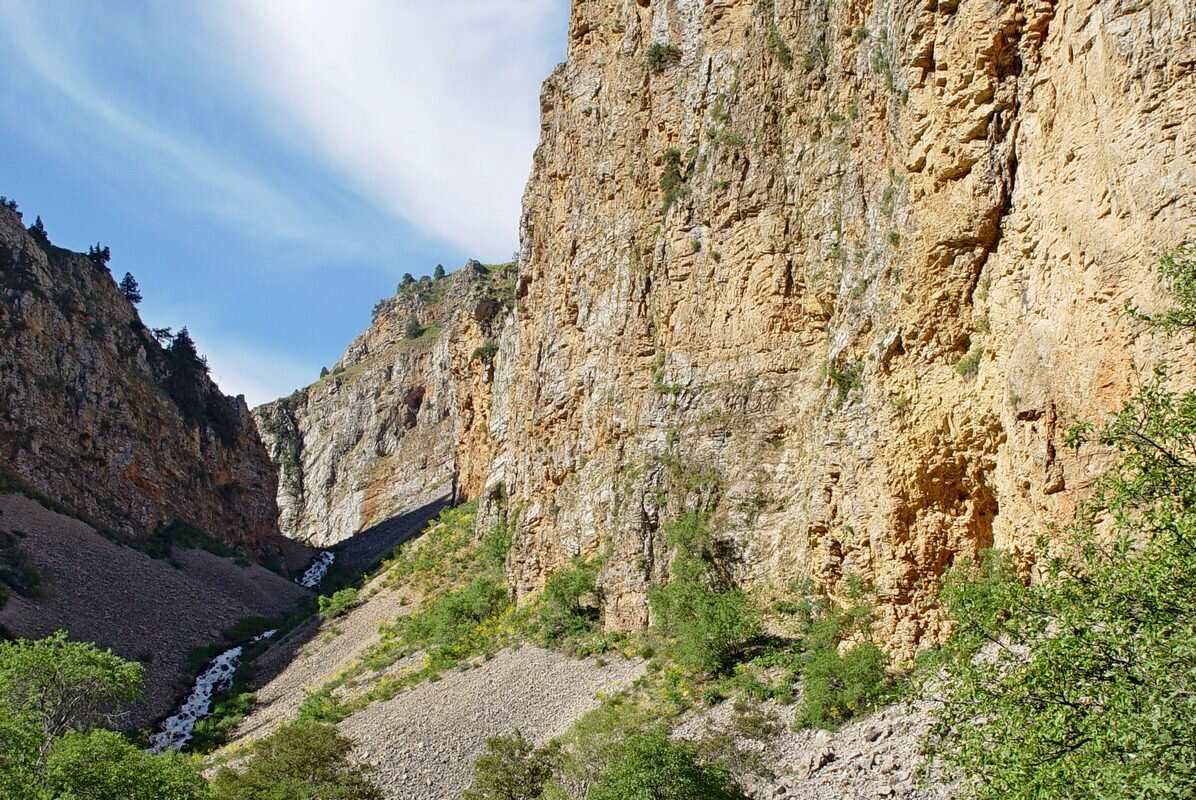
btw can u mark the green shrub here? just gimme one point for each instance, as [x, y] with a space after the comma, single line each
[494, 547]
[511, 769]
[412, 329]
[652, 766]
[322, 706]
[302, 759]
[672, 182]
[562, 614]
[450, 619]
[838, 685]
[705, 624]
[339, 603]
[662, 56]
[485, 352]
[779, 48]
[968, 365]
[846, 379]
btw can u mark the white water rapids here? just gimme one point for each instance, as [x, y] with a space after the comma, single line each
[318, 569]
[217, 676]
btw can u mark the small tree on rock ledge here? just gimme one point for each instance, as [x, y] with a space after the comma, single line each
[130, 289]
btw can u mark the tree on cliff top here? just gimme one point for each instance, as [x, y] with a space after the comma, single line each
[100, 255]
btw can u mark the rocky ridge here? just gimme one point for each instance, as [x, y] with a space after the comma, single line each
[92, 416]
[401, 419]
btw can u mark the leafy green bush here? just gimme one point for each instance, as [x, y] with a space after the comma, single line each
[651, 766]
[968, 365]
[1081, 685]
[511, 769]
[839, 685]
[662, 56]
[322, 706]
[103, 765]
[485, 352]
[562, 614]
[779, 48]
[339, 603]
[451, 618]
[302, 759]
[706, 625]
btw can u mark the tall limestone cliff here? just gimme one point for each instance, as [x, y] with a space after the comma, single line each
[97, 416]
[389, 428]
[841, 274]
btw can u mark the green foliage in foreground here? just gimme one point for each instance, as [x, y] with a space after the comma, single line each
[300, 760]
[1084, 685]
[52, 694]
[103, 765]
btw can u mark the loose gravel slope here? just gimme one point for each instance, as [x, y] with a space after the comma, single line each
[424, 741]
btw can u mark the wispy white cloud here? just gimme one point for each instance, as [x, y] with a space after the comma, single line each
[43, 38]
[428, 108]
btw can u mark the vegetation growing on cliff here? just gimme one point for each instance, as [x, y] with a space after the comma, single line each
[1082, 685]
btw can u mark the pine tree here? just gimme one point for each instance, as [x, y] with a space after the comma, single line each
[438, 273]
[99, 255]
[38, 231]
[323, 372]
[130, 289]
[408, 279]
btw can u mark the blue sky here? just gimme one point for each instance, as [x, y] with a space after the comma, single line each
[268, 169]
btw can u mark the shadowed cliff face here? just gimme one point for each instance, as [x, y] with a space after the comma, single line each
[842, 273]
[401, 419]
[93, 416]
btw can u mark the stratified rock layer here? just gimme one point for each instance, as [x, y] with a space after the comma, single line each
[87, 418]
[382, 432]
[842, 273]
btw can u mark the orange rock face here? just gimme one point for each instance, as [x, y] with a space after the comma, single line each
[842, 274]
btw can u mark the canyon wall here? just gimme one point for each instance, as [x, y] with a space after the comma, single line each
[94, 416]
[841, 274]
[381, 433]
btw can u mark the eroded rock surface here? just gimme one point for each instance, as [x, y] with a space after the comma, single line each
[382, 432]
[88, 418]
[842, 272]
